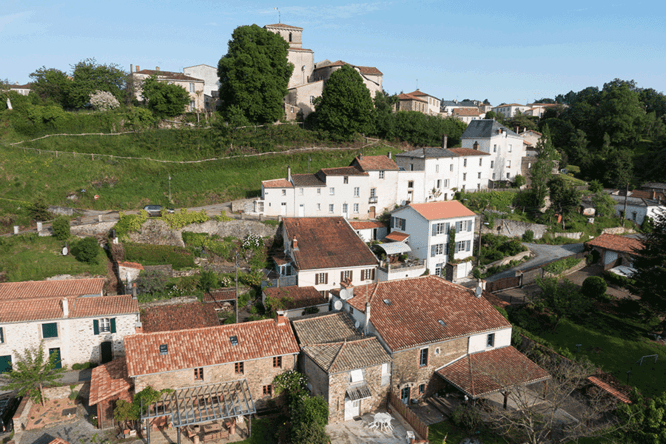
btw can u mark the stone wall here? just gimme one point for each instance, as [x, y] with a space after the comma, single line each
[529, 277]
[575, 235]
[157, 232]
[20, 418]
[61, 392]
[513, 228]
[172, 301]
[340, 382]
[95, 229]
[506, 260]
[167, 269]
[617, 230]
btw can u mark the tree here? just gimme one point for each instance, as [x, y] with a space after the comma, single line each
[645, 418]
[345, 107]
[39, 210]
[254, 74]
[650, 265]
[61, 228]
[604, 205]
[165, 100]
[564, 197]
[561, 299]
[542, 169]
[88, 76]
[491, 115]
[594, 287]
[87, 250]
[103, 101]
[519, 181]
[385, 123]
[150, 281]
[51, 85]
[451, 244]
[32, 371]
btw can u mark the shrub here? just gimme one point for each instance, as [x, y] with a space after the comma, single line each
[528, 236]
[182, 218]
[151, 281]
[594, 287]
[61, 228]
[466, 416]
[519, 181]
[512, 248]
[562, 265]
[620, 281]
[39, 210]
[145, 254]
[103, 101]
[86, 250]
[207, 280]
[129, 223]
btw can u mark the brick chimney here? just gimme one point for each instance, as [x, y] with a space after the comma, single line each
[131, 68]
[389, 154]
[134, 290]
[138, 328]
[281, 319]
[137, 68]
[517, 129]
[157, 68]
[65, 308]
[476, 146]
[294, 244]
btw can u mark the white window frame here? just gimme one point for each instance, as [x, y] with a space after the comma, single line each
[492, 164]
[357, 191]
[331, 191]
[381, 174]
[319, 191]
[331, 208]
[105, 325]
[465, 163]
[356, 208]
[464, 176]
[451, 167]
[192, 87]
[373, 193]
[284, 192]
[318, 207]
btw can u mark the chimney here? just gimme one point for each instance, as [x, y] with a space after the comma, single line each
[424, 153]
[157, 68]
[367, 318]
[476, 146]
[389, 155]
[360, 157]
[138, 328]
[294, 244]
[445, 139]
[134, 290]
[131, 68]
[288, 173]
[517, 129]
[137, 68]
[281, 319]
[654, 194]
[65, 308]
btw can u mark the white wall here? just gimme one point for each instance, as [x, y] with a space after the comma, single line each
[366, 234]
[206, 73]
[306, 278]
[502, 148]
[478, 342]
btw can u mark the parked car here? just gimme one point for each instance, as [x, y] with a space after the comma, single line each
[8, 406]
[156, 210]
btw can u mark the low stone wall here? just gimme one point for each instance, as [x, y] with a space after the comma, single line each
[157, 232]
[62, 211]
[20, 418]
[172, 301]
[576, 235]
[167, 270]
[514, 228]
[61, 392]
[617, 230]
[96, 229]
[236, 228]
[506, 260]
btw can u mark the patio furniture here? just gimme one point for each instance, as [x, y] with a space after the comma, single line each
[410, 436]
[382, 421]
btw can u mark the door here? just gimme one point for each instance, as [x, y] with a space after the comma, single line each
[5, 364]
[371, 213]
[301, 210]
[106, 349]
[283, 208]
[404, 396]
[345, 211]
[56, 351]
[352, 408]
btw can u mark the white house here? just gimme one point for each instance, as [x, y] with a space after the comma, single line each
[70, 317]
[369, 230]
[429, 226]
[211, 84]
[640, 204]
[509, 110]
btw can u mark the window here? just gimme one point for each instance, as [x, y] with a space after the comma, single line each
[2, 335]
[198, 374]
[284, 192]
[292, 109]
[301, 191]
[464, 162]
[331, 191]
[357, 191]
[192, 105]
[373, 193]
[268, 390]
[490, 342]
[439, 183]
[451, 167]
[318, 207]
[381, 174]
[346, 180]
[495, 148]
[331, 208]
[319, 191]
[399, 223]
[438, 269]
[464, 176]
[478, 175]
[277, 362]
[421, 389]
[347, 274]
[368, 274]
[436, 250]
[493, 176]
[507, 175]
[508, 164]
[50, 330]
[411, 167]
[410, 184]
[423, 357]
[440, 228]
[356, 207]
[321, 278]
[351, 310]
[345, 209]
[356, 376]
[191, 87]
[104, 325]
[510, 147]
[446, 184]
[480, 162]
[492, 164]
[290, 37]
[239, 368]
[311, 100]
[436, 168]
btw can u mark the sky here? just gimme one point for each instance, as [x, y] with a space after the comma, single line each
[504, 51]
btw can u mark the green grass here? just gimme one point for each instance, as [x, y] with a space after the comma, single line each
[562, 265]
[29, 257]
[263, 432]
[148, 254]
[453, 434]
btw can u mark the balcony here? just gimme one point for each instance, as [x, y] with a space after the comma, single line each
[373, 199]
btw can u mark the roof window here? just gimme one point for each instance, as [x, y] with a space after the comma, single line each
[234, 340]
[442, 323]
[387, 301]
[164, 349]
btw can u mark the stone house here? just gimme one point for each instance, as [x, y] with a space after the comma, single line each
[194, 86]
[433, 103]
[295, 301]
[466, 114]
[509, 110]
[428, 226]
[372, 77]
[211, 87]
[351, 371]
[615, 250]
[254, 352]
[70, 317]
[412, 102]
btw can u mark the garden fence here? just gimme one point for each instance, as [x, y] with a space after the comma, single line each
[419, 426]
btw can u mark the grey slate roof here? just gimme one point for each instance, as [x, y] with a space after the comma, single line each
[345, 356]
[655, 185]
[430, 152]
[336, 327]
[307, 180]
[485, 128]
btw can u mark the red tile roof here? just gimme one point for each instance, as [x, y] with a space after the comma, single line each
[609, 389]
[220, 295]
[345, 356]
[276, 183]
[326, 242]
[366, 70]
[47, 289]
[103, 305]
[487, 372]
[442, 210]
[466, 111]
[416, 306]
[127, 264]
[58, 441]
[31, 310]
[108, 380]
[421, 93]
[208, 346]
[26, 86]
[282, 25]
[411, 97]
[617, 243]
[178, 317]
[169, 75]
[397, 236]
[296, 297]
[366, 224]
[468, 152]
[343, 171]
[375, 163]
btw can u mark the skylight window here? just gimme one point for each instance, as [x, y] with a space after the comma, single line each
[164, 349]
[387, 301]
[442, 323]
[234, 340]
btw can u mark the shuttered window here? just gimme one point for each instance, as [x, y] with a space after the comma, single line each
[50, 330]
[104, 325]
[321, 278]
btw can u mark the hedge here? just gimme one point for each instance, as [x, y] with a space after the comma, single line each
[147, 254]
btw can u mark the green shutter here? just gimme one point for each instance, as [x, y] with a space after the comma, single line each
[113, 325]
[96, 326]
[50, 330]
[2, 335]
[5, 364]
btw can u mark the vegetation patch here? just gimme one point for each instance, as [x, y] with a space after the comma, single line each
[562, 265]
[182, 218]
[146, 254]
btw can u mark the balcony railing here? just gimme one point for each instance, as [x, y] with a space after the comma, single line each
[373, 199]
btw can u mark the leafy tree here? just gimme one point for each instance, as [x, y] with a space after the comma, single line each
[151, 281]
[87, 250]
[619, 168]
[345, 107]
[596, 186]
[52, 85]
[88, 77]
[32, 371]
[542, 169]
[604, 205]
[645, 418]
[650, 265]
[39, 210]
[491, 115]
[594, 287]
[562, 300]
[61, 228]
[519, 181]
[208, 280]
[451, 244]
[165, 100]
[564, 198]
[254, 74]
[385, 124]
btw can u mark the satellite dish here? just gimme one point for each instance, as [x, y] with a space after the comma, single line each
[344, 294]
[65, 251]
[478, 291]
[357, 324]
[337, 305]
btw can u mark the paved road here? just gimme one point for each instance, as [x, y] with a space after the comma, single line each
[542, 255]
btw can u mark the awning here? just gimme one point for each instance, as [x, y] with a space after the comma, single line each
[492, 371]
[358, 392]
[201, 404]
[395, 247]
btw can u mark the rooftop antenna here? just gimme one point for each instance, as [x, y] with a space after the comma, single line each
[417, 84]
[278, 14]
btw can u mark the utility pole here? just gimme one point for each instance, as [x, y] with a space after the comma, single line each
[236, 304]
[169, 188]
[626, 196]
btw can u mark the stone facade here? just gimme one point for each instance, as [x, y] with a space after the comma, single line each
[407, 371]
[258, 373]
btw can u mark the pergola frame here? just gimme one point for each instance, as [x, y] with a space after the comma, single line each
[200, 404]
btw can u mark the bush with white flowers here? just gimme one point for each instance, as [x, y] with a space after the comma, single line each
[252, 241]
[103, 101]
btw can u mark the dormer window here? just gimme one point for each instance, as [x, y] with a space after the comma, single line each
[164, 349]
[233, 340]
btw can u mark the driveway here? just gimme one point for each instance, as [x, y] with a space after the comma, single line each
[542, 255]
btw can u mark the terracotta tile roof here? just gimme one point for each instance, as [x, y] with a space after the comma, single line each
[366, 70]
[411, 97]
[47, 289]
[282, 25]
[397, 236]
[495, 300]
[296, 297]
[222, 294]
[466, 111]
[343, 171]
[178, 317]
[421, 93]
[59, 441]
[208, 346]
[345, 356]
[337, 327]
[127, 264]
[103, 305]
[169, 75]
[411, 318]
[486, 372]
[509, 104]
[108, 380]
[366, 224]
[375, 163]
[276, 183]
[307, 180]
[26, 86]
[31, 310]
[609, 389]
[326, 242]
[617, 243]
[468, 152]
[442, 210]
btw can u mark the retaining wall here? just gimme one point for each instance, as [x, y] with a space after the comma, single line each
[514, 228]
